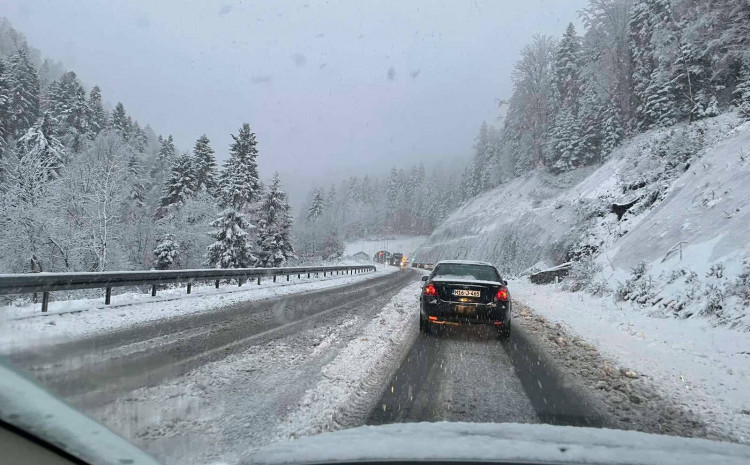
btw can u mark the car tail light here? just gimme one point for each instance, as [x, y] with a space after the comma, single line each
[502, 294]
[430, 290]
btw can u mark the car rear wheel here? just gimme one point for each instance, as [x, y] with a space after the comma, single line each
[504, 333]
[424, 325]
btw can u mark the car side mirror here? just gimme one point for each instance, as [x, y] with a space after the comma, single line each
[424, 278]
[505, 283]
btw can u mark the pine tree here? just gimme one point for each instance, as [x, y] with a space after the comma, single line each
[5, 111]
[165, 158]
[204, 165]
[331, 247]
[23, 83]
[274, 227]
[239, 188]
[120, 121]
[180, 185]
[240, 185]
[138, 139]
[66, 103]
[566, 69]
[39, 143]
[166, 252]
[97, 117]
[317, 206]
[232, 248]
[612, 132]
[742, 91]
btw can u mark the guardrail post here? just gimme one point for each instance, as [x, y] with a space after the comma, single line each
[45, 301]
[153, 290]
[287, 277]
[308, 275]
[258, 280]
[324, 274]
[274, 278]
[217, 284]
[299, 276]
[107, 295]
[189, 288]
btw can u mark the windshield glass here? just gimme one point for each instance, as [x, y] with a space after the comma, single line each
[462, 271]
[221, 222]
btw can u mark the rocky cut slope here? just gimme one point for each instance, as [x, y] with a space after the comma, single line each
[664, 222]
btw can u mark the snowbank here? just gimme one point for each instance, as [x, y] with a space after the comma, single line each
[349, 388]
[24, 326]
[704, 369]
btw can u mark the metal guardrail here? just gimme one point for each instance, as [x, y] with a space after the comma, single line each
[48, 282]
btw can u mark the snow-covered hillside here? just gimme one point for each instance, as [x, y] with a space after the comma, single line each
[664, 222]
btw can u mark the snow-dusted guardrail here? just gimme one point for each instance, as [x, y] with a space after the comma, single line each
[48, 282]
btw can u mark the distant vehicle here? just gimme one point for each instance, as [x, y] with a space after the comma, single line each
[382, 257]
[396, 259]
[465, 292]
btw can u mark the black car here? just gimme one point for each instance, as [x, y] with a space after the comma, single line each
[465, 292]
[396, 259]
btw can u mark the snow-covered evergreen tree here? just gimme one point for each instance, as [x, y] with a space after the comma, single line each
[166, 252]
[5, 109]
[180, 185]
[317, 206]
[742, 91]
[274, 227]
[331, 246]
[120, 121]
[204, 165]
[232, 248]
[39, 143]
[239, 182]
[97, 117]
[65, 101]
[23, 83]
[239, 187]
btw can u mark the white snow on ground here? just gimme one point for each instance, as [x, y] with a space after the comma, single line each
[368, 361]
[24, 326]
[702, 367]
[404, 244]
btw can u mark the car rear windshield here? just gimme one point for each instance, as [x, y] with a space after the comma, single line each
[466, 271]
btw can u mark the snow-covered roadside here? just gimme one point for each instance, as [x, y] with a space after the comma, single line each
[348, 389]
[25, 326]
[316, 378]
[703, 368]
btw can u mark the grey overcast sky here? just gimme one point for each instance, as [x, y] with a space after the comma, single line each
[330, 87]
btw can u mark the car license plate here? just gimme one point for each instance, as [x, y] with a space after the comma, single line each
[466, 293]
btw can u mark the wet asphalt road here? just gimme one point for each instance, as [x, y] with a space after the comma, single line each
[458, 374]
[467, 374]
[97, 370]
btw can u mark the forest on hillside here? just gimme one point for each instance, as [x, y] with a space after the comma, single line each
[86, 189]
[639, 64]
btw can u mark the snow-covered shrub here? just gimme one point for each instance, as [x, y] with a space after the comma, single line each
[166, 252]
[581, 274]
[716, 271]
[715, 297]
[638, 288]
[599, 288]
[741, 287]
[588, 209]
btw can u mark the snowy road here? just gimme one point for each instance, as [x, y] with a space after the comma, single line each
[94, 371]
[209, 387]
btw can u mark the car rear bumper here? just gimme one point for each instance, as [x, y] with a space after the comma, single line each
[442, 312]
